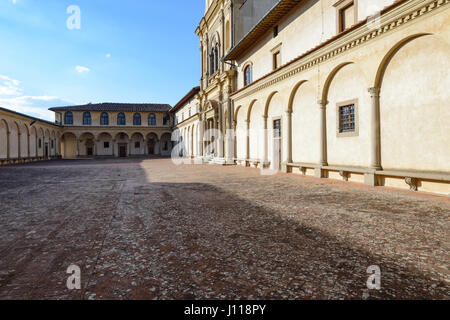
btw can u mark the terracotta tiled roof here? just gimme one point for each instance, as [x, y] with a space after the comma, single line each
[125, 107]
[186, 98]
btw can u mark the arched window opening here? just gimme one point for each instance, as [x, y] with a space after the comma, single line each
[166, 119]
[214, 59]
[137, 119]
[121, 121]
[248, 75]
[104, 119]
[68, 118]
[87, 120]
[151, 119]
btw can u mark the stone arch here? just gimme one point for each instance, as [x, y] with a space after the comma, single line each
[255, 124]
[240, 137]
[391, 53]
[349, 88]
[166, 144]
[269, 99]
[40, 141]
[153, 144]
[14, 140]
[105, 144]
[122, 144]
[250, 107]
[293, 93]
[302, 110]
[69, 145]
[32, 141]
[274, 151]
[413, 104]
[4, 139]
[137, 144]
[330, 78]
[87, 146]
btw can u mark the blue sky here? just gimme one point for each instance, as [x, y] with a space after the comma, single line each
[125, 51]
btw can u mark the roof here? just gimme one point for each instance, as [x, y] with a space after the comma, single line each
[185, 99]
[29, 117]
[125, 107]
[282, 8]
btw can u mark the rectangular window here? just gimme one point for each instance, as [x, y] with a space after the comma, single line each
[276, 60]
[347, 14]
[51, 143]
[347, 118]
[40, 143]
[137, 145]
[106, 145]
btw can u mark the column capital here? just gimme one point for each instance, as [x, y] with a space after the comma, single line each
[374, 91]
[322, 103]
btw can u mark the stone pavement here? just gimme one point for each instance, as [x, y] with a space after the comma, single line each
[146, 229]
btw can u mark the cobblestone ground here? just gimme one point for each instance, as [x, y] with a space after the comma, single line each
[146, 229]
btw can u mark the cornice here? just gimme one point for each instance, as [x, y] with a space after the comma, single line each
[391, 20]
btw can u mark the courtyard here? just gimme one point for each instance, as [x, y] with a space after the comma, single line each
[148, 229]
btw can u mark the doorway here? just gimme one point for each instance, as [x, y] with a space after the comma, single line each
[46, 151]
[89, 151]
[277, 144]
[151, 147]
[123, 151]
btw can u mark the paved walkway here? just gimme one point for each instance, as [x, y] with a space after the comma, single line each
[146, 229]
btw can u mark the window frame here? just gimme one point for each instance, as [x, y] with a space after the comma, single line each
[339, 132]
[153, 117]
[103, 118]
[119, 117]
[340, 6]
[137, 119]
[71, 118]
[248, 66]
[87, 118]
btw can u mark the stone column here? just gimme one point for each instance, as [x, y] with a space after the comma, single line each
[36, 146]
[19, 134]
[375, 140]
[247, 141]
[266, 142]
[230, 132]
[28, 145]
[95, 147]
[78, 147]
[8, 153]
[323, 156]
[216, 139]
[113, 142]
[375, 154]
[288, 142]
[201, 132]
[220, 140]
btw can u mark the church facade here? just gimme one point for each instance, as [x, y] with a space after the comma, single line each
[355, 90]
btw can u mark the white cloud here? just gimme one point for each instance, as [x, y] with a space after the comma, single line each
[11, 97]
[81, 69]
[9, 87]
[13, 1]
[108, 55]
